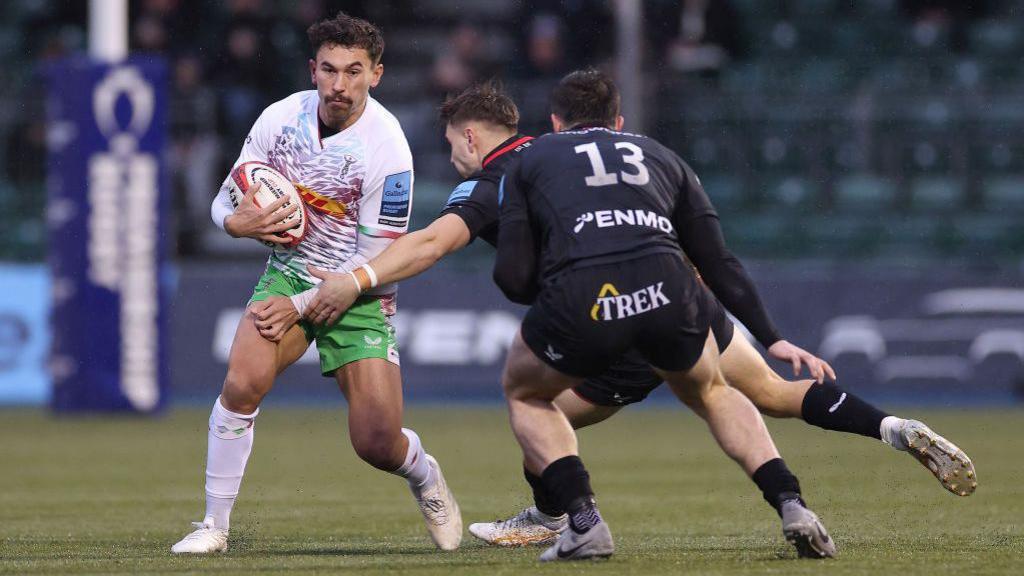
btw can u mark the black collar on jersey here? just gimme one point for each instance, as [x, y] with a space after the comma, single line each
[504, 147]
[324, 130]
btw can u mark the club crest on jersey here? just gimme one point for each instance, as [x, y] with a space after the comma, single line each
[611, 305]
[612, 218]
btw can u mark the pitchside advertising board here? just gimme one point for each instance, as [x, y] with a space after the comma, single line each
[931, 336]
[106, 217]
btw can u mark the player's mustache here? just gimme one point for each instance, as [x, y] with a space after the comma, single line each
[339, 99]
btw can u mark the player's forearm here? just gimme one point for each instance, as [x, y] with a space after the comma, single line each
[221, 208]
[704, 244]
[736, 291]
[409, 256]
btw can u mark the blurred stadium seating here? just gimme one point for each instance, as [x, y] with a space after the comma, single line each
[840, 130]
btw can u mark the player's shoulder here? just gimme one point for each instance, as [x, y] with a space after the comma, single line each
[466, 189]
[383, 124]
[289, 106]
[382, 133]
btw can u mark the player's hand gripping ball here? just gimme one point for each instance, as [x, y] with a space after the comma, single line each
[273, 186]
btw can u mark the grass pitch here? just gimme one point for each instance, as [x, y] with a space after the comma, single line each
[111, 494]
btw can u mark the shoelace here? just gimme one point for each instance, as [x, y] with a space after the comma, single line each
[516, 521]
[195, 534]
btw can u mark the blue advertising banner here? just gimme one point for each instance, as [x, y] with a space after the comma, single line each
[24, 334]
[107, 201]
[930, 336]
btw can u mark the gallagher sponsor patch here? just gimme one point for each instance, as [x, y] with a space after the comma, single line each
[397, 193]
[461, 192]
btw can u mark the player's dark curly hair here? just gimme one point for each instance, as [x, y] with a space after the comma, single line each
[485, 102]
[349, 32]
[586, 97]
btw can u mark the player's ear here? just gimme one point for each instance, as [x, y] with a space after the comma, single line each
[619, 121]
[378, 71]
[556, 124]
[470, 137]
[312, 71]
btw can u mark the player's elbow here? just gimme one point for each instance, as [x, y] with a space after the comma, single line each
[515, 283]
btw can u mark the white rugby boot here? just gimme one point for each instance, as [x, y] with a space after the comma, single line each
[529, 527]
[440, 510]
[804, 530]
[594, 543]
[942, 458]
[205, 539]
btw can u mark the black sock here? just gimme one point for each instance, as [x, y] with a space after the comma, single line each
[829, 407]
[541, 499]
[777, 483]
[567, 481]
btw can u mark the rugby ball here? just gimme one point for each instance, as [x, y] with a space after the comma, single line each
[273, 185]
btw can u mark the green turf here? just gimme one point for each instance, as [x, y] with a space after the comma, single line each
[110, 495]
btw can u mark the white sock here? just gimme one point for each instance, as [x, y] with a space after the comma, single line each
[890, 432]
[229, 443]
[415, 469]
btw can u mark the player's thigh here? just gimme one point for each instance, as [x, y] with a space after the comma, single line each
[747, 370]
[253, 364]
[526, 376]
[694, 383]
[373, 389]
[581, 413]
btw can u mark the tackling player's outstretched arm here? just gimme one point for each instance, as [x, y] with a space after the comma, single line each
[417, 251]
[515, 267]
[403, 258]
[700, 236]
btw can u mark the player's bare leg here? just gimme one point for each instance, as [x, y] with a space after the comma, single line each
[550, 451]
[253, 364]
[542, 523]
[740, 431]
[829, 407]
[373, 389]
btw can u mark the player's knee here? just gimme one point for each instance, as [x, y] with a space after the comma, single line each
[378, 448]
[770, 395]
[242, 391]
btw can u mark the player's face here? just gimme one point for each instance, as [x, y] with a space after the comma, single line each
[343, 77]
[464, 153]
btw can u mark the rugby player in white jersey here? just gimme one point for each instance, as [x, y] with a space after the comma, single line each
[353, 162]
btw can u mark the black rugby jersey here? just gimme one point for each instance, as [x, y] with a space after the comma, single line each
[475, 200]
[594, 196]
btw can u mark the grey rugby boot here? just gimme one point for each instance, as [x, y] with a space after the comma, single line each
[949, 464]
[805, 532]
[594, 543]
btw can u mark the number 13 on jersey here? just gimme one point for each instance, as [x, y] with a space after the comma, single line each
[632, 155]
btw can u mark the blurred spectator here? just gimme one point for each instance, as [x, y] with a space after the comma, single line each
[25, 153]
[934, 18]
[462, 63]
[194, 151]
[566, 34]
[246, 77]
[694, 36]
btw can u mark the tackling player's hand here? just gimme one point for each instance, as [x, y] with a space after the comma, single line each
[334, 296]
[274, 317]
[797, 356]
[251, 221]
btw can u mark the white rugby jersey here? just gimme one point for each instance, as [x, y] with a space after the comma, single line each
[356, 183]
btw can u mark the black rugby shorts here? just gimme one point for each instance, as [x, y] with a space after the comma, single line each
[587, 318]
